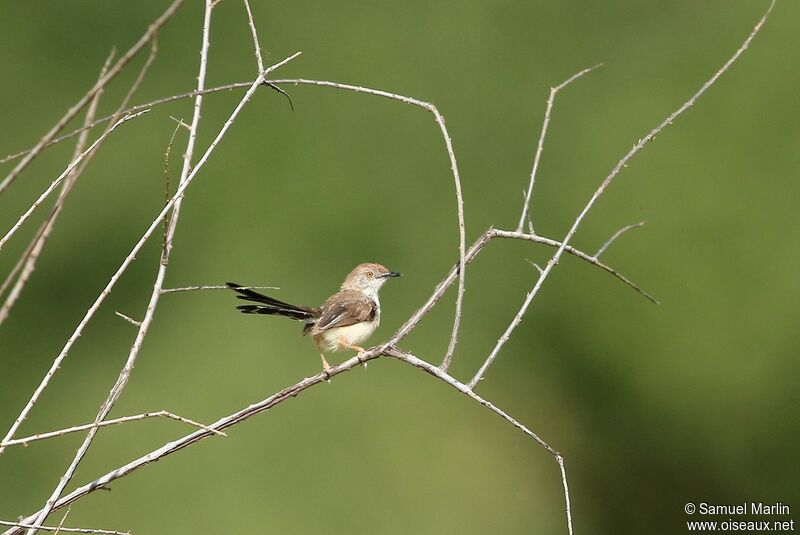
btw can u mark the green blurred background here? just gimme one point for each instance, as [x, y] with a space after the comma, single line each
[652, 406]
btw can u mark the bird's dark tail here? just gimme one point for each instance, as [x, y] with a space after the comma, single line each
[271, 306]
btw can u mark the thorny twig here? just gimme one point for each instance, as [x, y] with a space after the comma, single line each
[616, 235]
[215, 287]
[540, 145]
[61, 528]
[24, 441]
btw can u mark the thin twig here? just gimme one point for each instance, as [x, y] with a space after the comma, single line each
[135, 250]
[63, 519]
[60, 528]
[456, 179]
[152, 30]
[128, 318]
[613, 174]
[256, 45]
[540, 146]
[105, 423]
[577, 253]
[61, 177]
[124, 375]
[199, 288]
[616, 235]
[166, 179]
[504, 338]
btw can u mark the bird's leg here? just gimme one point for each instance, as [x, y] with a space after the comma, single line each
[343, 343]
[325, 366]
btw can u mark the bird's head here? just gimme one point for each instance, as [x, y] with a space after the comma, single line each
[368, 278]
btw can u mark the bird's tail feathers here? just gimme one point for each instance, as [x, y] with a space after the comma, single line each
[269, 305]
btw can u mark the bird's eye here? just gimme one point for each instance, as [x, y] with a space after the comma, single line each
[370, 274]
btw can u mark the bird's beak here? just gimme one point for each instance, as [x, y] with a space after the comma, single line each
[391, 274]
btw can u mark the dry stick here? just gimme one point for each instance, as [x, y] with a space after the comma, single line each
[60, 178]
[128, 318]
[198, 288]
[616, 235]
[610, 177]
[135, 250]
[124, 375]
[166, 176]
[115, 421]
[256, 45]
[496, 233]
[32, 254]
[78, 106]
[60, 528]
[63, 519]
[540, 146]
[456, 178]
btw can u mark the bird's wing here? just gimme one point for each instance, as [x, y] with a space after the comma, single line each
[345, 308]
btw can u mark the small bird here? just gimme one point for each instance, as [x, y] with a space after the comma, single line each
[344, 321]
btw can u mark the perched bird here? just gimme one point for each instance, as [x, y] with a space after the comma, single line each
[344, 321]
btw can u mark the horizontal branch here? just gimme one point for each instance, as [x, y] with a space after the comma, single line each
[124, 419]
[61, 528]
[200, 288]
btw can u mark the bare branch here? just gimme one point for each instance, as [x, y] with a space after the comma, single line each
[152, 30]
[105, 423]
[57, 181]
[60, 528]
[610, 177]
[575, 252]
[504, 338]
[63, 519]
[126, 318]
[540, 146]
[256, 45]
[616, 235]
[199, 288]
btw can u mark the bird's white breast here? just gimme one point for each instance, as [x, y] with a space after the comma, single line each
[353, 335]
